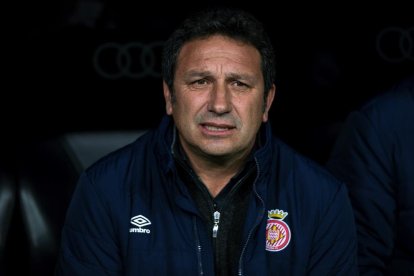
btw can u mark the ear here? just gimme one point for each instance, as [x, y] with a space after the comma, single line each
[269, 101]
[168, 98]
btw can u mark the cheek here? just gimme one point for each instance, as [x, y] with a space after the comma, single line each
[183, 110]
[191, 105]
[253, 111]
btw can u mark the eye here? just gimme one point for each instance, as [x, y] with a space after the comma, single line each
[239, 83]
[199, 83]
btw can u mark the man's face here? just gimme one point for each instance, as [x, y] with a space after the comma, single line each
[218, 103]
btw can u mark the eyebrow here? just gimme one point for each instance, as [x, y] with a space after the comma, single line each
[244, 77]
[231, 76]
[196, 73]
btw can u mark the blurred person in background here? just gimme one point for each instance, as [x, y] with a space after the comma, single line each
[374, 155]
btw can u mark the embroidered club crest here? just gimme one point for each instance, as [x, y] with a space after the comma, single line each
[277, 231]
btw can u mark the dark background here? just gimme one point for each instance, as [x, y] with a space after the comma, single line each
[330, 60]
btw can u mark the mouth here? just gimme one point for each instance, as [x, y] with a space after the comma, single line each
[217, 129]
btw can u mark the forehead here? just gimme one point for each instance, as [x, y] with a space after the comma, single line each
[219, 48]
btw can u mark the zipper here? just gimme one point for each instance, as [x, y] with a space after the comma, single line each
[216, 214]
[216, 219]
[198, 244]
[259, 218]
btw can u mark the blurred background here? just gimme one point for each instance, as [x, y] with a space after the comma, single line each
[87, 80]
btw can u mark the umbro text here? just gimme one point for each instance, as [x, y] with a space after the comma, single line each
[139, 230]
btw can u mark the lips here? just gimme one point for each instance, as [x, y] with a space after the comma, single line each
[213, 128]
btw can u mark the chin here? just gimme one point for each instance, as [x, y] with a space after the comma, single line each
[218, 151]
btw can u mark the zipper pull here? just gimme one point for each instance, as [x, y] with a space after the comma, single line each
[216, 217]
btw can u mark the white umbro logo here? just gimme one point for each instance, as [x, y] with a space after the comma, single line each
[140, 221]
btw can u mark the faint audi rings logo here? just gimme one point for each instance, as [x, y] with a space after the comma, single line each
[134, 60]
[396, 44]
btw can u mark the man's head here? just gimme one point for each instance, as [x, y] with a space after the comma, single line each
[235, 24]
[214, 84]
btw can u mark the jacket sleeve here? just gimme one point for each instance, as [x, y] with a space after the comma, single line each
[334, 250]
[360, 157]
[88, 245]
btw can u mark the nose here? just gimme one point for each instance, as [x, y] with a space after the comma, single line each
[220, 100]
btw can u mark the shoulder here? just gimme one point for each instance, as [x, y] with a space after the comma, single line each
[303, 185]
[303, 171]
[114, 169]
[393, 107]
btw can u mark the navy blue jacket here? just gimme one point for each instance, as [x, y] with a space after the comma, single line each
[374, 155]
[131, 215]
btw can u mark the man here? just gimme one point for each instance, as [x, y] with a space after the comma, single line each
[210, 192]
[374, 154]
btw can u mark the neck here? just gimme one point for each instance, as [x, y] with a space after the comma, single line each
[215, 178]
[216, 172]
